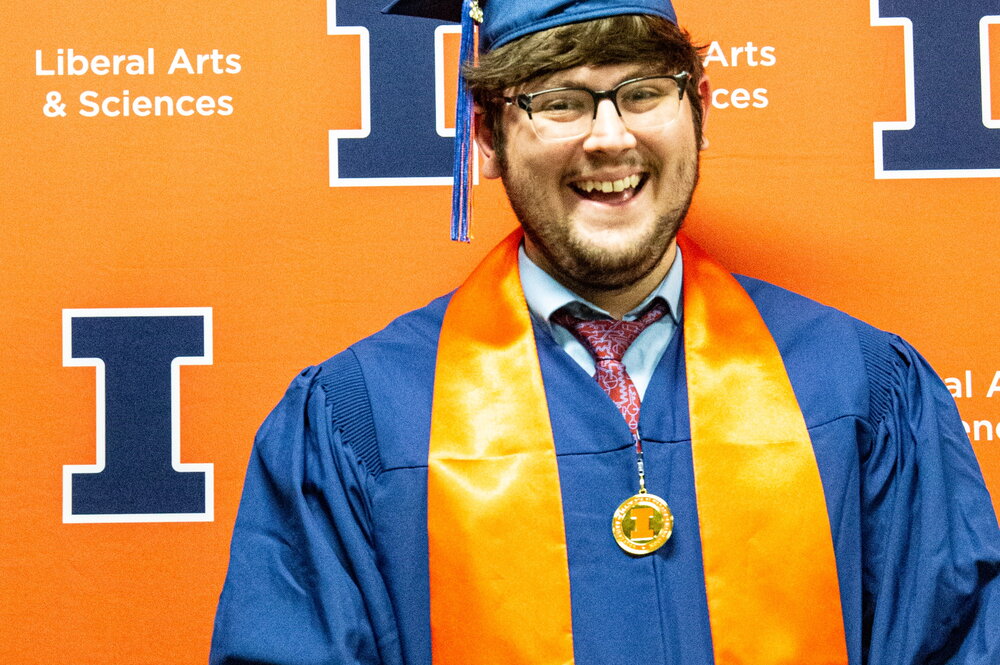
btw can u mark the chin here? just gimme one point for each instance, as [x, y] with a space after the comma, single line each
[608, 261]
[615, 240]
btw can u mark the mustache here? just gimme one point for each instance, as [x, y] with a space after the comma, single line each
[597, 165]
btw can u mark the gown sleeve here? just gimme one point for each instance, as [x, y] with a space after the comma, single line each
[931, 553]
[303, 587]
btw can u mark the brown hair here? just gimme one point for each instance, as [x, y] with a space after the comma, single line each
[614, 40]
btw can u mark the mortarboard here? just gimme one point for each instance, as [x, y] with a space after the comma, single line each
[499, 22]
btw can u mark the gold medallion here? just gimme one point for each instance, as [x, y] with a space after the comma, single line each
[642, 523]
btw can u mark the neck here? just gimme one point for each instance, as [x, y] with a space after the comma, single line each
[617, 302]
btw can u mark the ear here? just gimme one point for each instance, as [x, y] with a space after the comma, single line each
[490, 166]
[705, 93]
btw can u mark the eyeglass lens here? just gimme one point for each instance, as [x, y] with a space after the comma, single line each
[643, 104]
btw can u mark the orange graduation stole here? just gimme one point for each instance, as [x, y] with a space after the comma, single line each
[499, 576]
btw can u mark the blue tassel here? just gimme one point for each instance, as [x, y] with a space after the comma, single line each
[461, 167]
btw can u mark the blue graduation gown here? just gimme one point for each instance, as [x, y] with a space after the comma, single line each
[329, 552]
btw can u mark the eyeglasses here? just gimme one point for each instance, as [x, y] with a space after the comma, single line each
[567, 113]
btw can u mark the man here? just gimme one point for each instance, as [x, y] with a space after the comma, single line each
[459, 489]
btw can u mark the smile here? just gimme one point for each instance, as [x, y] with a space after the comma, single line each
[610, 191]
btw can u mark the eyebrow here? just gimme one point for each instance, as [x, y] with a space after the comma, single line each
[559, 80]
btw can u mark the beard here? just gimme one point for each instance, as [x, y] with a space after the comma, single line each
[581, 262]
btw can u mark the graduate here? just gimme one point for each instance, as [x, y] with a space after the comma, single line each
[603, 448]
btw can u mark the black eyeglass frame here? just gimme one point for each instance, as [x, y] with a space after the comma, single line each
[523, 100]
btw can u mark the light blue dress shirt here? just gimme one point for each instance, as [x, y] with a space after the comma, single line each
[545, 295]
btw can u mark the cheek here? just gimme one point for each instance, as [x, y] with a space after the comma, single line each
[524, 161]
[677, 157]
[526, 154]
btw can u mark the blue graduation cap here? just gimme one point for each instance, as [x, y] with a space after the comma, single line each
[499, 22]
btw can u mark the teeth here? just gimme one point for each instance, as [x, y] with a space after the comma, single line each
[609, 186]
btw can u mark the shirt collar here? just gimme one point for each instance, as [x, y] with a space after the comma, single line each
[545, 295]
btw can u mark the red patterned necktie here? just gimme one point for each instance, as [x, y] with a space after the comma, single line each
[607, 340]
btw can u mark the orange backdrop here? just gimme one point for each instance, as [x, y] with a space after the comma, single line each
[235, 213]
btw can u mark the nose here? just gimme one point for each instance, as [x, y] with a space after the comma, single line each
[609, 133]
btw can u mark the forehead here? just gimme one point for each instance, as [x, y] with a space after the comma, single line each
[600, 77]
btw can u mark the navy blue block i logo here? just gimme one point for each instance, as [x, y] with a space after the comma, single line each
[403, 140]
[950, 129]
[138, 475]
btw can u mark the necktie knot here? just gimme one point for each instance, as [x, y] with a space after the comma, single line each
[607, 340]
